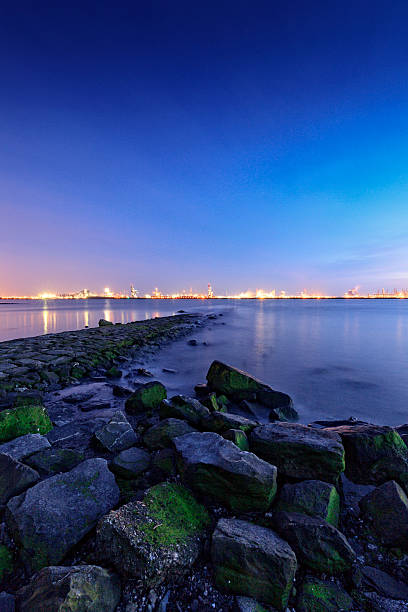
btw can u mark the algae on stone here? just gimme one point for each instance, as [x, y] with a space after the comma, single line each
[154, 539]
[311, 497]
[322, 596]
[23, 419]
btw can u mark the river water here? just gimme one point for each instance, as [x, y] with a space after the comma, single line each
[336, 358]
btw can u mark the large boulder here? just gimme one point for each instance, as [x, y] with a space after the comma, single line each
[253, 561]
[156, 539]
[387, 510]
[24, 446]
[299, 452]
[374, 454]
[146, 398]
[15, 477]
[311, 497]
[238, 385]
[162, 434]
[317, 544]
[55, 514]
[116, 435]
[317, 595]
[185, 408]
[131, 462]
[218, 470]
[81, 588]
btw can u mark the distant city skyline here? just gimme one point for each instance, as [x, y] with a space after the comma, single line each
[168, 144]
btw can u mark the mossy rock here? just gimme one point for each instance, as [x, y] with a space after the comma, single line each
[311, 497]
[186, 408]
[374, 454]
[24, 419]
[320, 596]
[154, 539]
[238, 437]
[55, 460]
[147, 397]
[6, 561]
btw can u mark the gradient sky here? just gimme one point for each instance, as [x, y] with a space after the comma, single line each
[171, 144]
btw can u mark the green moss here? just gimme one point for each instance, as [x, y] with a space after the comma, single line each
[24, 419]
[333, 508]
[6, 561]
[173, 515]
[319, 596]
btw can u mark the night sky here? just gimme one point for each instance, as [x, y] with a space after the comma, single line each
[170, 143]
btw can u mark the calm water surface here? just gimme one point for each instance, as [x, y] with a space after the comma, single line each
[336, 358]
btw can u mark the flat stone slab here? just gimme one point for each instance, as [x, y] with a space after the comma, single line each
[24, 446]
[254, 561]
[55, 514]
[218, 470]
[298, 451]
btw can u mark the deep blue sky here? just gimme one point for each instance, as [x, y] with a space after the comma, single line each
[247, 144]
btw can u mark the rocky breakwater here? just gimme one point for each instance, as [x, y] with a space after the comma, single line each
[143, 503]
[58, 360]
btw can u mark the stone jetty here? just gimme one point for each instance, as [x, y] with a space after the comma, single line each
[115, 497]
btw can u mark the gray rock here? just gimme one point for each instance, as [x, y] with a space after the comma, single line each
[55, 514]
[374, 454]
[223, 421]
[24, 446]
[253, 561]
[185, 408]
[299, 452]
[317, 544]
[55, 460]
[218, 470]
[15, 477]
[77, 435]
[387, 510]
[104, 323]
[118, 434]
[162, 434]
[131, 462]
[238, 385]
[311, 497]
[86, 588]
[384, 584]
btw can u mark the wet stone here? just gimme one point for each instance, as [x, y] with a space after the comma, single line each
[118, 434]
[24, 446]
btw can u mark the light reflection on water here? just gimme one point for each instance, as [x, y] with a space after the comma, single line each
[336, 358]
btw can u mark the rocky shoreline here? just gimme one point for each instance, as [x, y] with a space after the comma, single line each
[116, 497]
